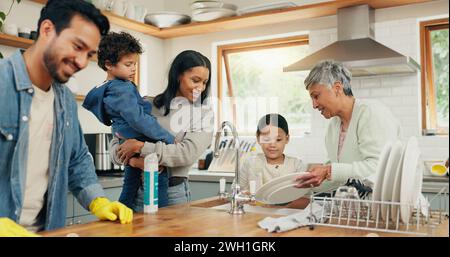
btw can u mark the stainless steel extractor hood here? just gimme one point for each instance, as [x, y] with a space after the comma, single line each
[357, 49]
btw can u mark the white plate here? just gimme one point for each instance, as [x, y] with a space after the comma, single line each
[212, 14]
[206, 4]
[396, 188]
[263, 193]
[378, 183]
[409, 184]
[389, 177]
[286, 194]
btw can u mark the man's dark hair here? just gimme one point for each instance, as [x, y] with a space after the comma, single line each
[114, 46]
[61, 12]
[273, 119]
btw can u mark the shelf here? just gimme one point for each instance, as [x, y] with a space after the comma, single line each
[270, 17]
[252, 19]
[14, 41]
[124, 22]
[132, 24]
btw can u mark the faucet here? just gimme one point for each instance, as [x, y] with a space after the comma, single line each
[237, 198]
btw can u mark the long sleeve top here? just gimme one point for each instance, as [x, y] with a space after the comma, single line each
[193, 128]
[119, 104]
[372, 125]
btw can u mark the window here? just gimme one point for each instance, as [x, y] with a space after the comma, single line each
[434, 58]
[251, 83]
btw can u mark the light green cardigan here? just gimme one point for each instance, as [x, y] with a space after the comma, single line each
[372, 125]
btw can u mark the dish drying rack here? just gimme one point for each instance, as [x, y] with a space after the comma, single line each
[365, 214]
[227, 158]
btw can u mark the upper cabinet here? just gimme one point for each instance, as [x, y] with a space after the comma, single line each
[251, 19]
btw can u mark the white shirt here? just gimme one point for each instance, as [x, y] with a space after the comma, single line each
[40, 138]
[256, 168]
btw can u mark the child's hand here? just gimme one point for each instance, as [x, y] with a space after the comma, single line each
[128, 149]
[136, 162]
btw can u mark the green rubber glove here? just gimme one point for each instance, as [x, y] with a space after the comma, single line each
[8, 228]
[106, 210]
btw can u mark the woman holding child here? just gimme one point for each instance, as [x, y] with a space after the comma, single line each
[183, 110]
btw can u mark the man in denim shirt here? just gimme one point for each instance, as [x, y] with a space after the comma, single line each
[42, 151]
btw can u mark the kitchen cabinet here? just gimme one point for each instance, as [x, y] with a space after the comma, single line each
[76, 214]
[205, 184]
[431, 186]
[268, 17]
[202, 190]
[439, 202]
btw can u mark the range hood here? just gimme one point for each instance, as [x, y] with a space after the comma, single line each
[357, 49]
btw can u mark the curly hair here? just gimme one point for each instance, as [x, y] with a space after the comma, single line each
[114, 46]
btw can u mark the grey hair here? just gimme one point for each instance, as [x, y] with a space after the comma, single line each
[327, 72]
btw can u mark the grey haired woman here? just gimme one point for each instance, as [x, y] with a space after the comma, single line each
[357, 131]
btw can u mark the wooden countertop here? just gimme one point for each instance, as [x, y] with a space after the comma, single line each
[189, 220]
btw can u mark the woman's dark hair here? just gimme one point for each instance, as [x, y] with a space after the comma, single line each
[183, 62]
[114, 46]
[273, 119]
[61, 12]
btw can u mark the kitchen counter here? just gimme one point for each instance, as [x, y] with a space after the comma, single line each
[189, 220]
[209, 176]
[431, 178]
[434, 184]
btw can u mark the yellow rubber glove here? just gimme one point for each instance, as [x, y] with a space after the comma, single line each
[8, 228]
[106, 210]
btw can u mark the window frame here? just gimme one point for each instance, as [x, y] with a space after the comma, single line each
[222, 62]
[429, 113]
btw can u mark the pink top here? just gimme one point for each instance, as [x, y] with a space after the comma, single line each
[341, 139]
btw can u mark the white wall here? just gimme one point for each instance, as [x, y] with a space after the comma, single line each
[152, 6]
[398, 28]
[151, 80]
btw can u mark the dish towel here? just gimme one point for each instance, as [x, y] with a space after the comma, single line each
[292, 221]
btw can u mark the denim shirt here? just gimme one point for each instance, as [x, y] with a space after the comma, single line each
[118, 103]
[71, 166]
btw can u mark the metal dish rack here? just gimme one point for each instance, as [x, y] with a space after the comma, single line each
[365, 214]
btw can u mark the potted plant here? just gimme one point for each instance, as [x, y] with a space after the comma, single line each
[3, 16]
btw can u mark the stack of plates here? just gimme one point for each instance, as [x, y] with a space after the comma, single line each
[211, 10]
[399, 180]
[281, 190]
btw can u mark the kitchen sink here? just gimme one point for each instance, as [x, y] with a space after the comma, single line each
[224, 206]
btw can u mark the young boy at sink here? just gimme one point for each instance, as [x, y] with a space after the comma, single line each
[272, 135]
[117, 103]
